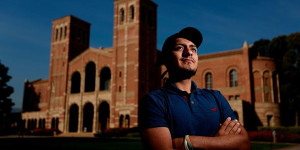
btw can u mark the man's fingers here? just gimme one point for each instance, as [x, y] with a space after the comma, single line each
[225, 124]
[235, 128]
[238, 131]
[230, 126]
[223, 127]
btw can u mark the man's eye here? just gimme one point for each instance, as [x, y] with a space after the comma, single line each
[194, 49]
[179, 48]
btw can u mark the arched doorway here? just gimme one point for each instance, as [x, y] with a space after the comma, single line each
[103, 115]
[88, 114]
[73, 118]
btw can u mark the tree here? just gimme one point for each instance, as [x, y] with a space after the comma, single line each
[278, 47]
[5, 92]
[290, 85]
[260, 48]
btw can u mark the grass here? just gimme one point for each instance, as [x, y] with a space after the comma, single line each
[58, 143]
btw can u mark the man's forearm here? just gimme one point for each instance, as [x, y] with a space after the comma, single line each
[221, 142]
[231, 135]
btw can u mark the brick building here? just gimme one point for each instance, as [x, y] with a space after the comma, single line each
[93, 89]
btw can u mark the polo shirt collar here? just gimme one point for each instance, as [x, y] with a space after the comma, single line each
[171, 87]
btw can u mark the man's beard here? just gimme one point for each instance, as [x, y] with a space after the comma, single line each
[179, 74]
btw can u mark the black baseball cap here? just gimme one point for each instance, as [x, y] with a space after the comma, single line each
[189, 33]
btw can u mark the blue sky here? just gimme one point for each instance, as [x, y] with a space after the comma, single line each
[25, 28]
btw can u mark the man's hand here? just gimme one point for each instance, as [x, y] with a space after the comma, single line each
[229, 127]
[231, 135]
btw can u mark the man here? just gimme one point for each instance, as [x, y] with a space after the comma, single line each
[181, 116]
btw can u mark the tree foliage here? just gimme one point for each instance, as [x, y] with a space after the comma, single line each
[5, 90]
[260, 48]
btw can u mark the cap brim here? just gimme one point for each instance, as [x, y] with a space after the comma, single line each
[191, 34]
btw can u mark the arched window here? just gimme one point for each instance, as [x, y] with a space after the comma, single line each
[121, 121]
[65, 33]
[233, 77]
[90, 73]
[266, 86]
[105, 77]
[275, 87]
[208, 80]
[75, 82]
[60, 33]
[131, 12]
[56, 34]
[122, 15]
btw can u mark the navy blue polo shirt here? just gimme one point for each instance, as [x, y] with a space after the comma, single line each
[197, 115]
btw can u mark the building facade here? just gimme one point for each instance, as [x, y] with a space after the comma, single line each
[93, 89]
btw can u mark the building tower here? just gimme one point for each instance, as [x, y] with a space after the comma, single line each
[134, 40]
[70, 36]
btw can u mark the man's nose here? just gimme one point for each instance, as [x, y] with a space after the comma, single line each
[187, 52]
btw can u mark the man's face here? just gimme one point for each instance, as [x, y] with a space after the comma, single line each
[184, 55]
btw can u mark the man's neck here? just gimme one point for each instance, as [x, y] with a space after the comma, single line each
[184, 85]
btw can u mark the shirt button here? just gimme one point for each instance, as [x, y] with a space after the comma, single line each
[192, 102]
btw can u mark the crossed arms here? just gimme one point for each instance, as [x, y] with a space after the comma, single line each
[231, 135]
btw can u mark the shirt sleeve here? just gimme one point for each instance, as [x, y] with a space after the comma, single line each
[152, 113]
[225, 106]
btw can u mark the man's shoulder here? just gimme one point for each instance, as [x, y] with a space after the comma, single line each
[157, 93]
[156, 97]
